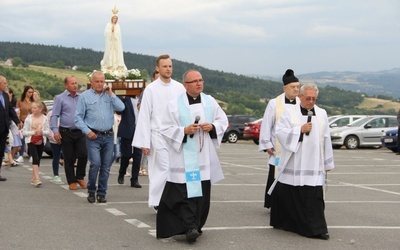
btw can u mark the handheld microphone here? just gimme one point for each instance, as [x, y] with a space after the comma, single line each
[310, 114]
[196, 121]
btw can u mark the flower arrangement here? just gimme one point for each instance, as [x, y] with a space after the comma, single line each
[131, 74]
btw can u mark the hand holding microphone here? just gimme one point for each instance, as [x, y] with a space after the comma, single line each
[309, 114]
[196, 121]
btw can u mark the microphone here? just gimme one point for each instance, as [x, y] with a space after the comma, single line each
[196, 121]
[310, 114]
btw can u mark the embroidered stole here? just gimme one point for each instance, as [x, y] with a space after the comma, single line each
[190, 148]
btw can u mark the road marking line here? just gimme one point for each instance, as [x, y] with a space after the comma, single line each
[366, 173]
[364, 227]
[47, 177]
[137, 223]
[127, 202]
[369, 188]
[81, 194]
[115, 211]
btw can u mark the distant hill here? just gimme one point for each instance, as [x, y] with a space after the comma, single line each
[380, 83]
[238, 94]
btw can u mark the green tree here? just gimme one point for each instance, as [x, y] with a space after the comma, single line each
[16, 61]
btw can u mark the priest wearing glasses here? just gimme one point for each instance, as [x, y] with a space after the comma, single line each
[298, 199]
[194, 127]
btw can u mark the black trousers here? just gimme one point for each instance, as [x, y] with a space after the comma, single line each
[398, 139]
[36, 151]
[127, 152]
[271, 178]
[73, 144]
[3, 138]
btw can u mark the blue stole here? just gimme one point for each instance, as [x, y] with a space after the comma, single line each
[190, 148]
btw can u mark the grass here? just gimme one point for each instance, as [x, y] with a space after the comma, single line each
[62, 73]
[379, 104]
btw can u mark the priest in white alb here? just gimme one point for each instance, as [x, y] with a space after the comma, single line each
[151, 116]
[298, 200]
[268, 142]
[193, 128]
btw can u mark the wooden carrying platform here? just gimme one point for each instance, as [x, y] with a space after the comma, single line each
[126, 88]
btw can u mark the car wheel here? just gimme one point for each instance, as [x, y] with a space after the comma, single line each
[256, 141]
[351, 142]
[233, 137]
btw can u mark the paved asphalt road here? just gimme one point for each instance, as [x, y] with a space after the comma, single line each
[362, 208]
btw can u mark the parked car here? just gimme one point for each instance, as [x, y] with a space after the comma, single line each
[331, 118]
[389, 140]
[47, 148]
[343, 120]
[365, 132]
[234, 132]
[49, 105]
[252, 131]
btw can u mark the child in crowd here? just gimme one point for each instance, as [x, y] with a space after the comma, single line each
[36, 129]
[16, 143]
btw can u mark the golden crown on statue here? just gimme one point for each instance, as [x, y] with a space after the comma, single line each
[115, 10]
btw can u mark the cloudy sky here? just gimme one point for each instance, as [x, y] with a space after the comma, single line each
[263, 37]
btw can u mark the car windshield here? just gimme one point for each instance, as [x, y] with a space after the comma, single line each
[359, 122]
[331, 118]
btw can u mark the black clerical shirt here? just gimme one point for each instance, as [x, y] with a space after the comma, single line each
[305, 112]
[192, 100]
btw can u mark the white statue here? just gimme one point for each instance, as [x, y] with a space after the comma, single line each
[113, 59]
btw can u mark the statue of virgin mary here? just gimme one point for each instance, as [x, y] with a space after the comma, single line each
[113, 59]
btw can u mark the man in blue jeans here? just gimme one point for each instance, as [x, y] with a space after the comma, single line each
[95, 117]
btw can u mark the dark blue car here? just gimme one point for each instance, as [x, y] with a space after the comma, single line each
[390, 140]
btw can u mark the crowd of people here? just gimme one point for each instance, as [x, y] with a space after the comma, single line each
[174, 129]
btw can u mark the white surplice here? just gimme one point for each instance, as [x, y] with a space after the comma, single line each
[304, 163]
[151, 116]
[173, 131]
[267, 130]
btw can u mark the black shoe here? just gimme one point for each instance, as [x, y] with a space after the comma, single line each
[322, 236]
[136, 185]
[155, 209]
[3, 179]
[101, 198]
[120, 179]
[91, 198]
[192, 235]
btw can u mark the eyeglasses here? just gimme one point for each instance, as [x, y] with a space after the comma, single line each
[196, 81]
[311, 99]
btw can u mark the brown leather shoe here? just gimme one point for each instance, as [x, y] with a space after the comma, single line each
[73, 186]
[82, 183]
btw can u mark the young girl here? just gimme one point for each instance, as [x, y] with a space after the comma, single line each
[36, 128]
[16, 145]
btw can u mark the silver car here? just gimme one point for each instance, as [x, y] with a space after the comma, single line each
[365, 132]
[343, 120]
